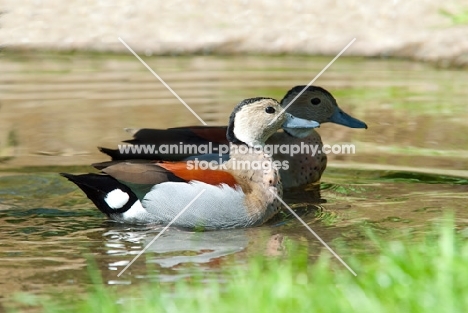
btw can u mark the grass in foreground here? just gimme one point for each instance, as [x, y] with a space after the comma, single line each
[403, 276]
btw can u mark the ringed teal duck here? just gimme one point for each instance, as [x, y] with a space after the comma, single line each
[148, 192]
[315, 103]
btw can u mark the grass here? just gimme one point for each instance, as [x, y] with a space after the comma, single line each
[458, 18]
[397, 276]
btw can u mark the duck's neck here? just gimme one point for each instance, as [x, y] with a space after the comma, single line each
[251, 142]
[241, 149]
[299, 132]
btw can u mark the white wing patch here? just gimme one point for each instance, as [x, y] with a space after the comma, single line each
[116, 199]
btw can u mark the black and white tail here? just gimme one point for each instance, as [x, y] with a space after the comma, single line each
[108, 194]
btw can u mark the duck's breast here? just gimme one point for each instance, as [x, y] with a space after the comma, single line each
[218, 207]
[304, 167]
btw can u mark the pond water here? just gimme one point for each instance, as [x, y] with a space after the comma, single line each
[410, 166]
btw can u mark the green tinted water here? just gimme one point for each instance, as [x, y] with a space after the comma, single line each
[409, 167]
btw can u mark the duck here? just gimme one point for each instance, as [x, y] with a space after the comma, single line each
[222, 196]
[306, 102]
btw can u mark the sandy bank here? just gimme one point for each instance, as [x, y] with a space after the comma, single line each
[414, 29]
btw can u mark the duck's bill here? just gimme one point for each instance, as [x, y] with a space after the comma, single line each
[342, 118]
[296, 122]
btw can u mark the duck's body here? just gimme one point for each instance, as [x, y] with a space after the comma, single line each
[314, 103]
[230, 195]
[304, 168]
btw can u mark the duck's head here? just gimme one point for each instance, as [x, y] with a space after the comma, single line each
[317, 104]
[254, 120]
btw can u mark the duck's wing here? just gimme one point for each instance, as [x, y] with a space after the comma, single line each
[172, 144]
[196, 134]
[151, 173]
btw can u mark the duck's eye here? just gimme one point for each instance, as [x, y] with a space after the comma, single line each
[270, 110]
[315, 101]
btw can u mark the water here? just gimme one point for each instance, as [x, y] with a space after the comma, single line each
[408, 171]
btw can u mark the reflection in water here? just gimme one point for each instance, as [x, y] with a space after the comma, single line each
[205, 245]
[49, 233]
[178, 250]
[57, 108]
